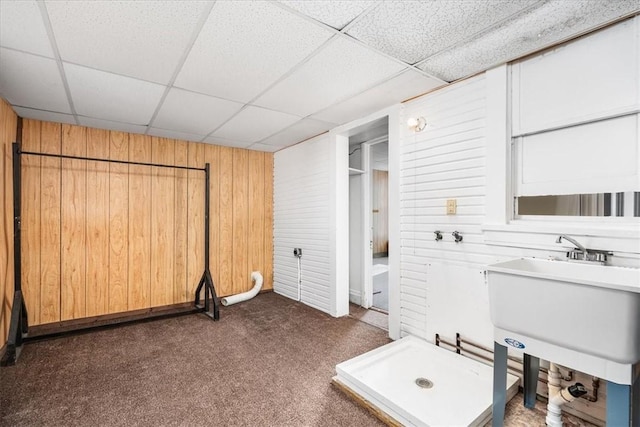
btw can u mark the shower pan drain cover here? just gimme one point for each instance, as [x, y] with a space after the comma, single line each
[423, 383]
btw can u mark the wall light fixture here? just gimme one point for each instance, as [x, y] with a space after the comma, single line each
[417, 124]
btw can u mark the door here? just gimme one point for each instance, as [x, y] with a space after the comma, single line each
[380, 215]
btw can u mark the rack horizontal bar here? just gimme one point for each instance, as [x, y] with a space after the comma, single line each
[124, 162]
[40, 333]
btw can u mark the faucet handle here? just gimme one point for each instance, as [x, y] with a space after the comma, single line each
[600, 256]
[575, 254]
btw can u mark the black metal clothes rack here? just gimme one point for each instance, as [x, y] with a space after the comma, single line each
[19, 326]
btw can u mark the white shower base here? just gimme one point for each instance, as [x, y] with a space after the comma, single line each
[461, 395]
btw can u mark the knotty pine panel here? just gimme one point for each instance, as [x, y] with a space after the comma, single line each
[8, 123]
[256, 212]
[97, 255]
[30, 215]
[118, 223]
[240, 221]
[181, 223]
[139, 255]
[162, 222]
[225, 198]
[267, 270]
[50, 223]
[74, 223]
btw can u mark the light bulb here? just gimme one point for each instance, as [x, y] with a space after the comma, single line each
[416, 124]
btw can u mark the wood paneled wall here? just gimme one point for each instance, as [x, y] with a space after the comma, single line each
[8, 123]
[102, 238]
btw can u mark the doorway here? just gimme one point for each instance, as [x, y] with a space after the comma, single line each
[379, 182]
[354, 144]
[369, 223]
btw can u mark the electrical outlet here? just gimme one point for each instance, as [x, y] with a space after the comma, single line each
[451, 207]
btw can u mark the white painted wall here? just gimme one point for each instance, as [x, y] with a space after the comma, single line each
[301, 219]
[311, 212]
[464, 154]
[442, 287]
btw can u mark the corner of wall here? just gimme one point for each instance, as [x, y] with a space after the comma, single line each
[8, 128]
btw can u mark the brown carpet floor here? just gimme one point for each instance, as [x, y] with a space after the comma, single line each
[267, 362]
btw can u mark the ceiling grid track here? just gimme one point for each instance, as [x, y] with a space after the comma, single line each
[56, 53]
[482, 32]
[194, 36]
[295, 68]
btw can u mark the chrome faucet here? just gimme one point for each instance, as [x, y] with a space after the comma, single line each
[572, 240]
[583, 254]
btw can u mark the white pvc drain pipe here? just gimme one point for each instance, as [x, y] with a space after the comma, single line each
[234, 299]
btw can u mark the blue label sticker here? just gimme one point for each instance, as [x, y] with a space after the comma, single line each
[514, 343]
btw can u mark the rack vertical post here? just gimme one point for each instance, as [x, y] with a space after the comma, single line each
[19, 325]
[207, 281]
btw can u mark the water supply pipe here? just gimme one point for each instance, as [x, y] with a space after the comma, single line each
[299, 280]
[234, 299]
[558, 396]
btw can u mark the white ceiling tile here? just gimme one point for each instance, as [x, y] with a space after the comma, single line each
[346, 111]
[32, 81]
[142, 39]
[175, 135]
[194, 113]
[340, 70]
[304, 129]
[109, 96]
[534, 30]
[227, 142]
[415, 30]
[246, 46]
[406, 85]
[45, 116]
[336, 13]
[254, 124]
[22, 28]
[111, 125]
[263, 147]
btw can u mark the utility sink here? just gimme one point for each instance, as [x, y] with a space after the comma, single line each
[591, 309]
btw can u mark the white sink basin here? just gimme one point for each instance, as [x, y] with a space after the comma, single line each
[592, 309]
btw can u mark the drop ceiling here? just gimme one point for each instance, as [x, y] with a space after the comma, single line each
[261, 75]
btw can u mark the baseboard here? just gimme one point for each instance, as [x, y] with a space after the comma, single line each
[355, 297]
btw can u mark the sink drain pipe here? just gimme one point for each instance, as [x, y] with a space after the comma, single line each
[234, 299]
[558, 396]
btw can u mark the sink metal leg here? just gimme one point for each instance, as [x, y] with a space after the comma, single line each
[618, 404]
[531, 369]
[635, 407]
[623, 404]
[499, 384]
